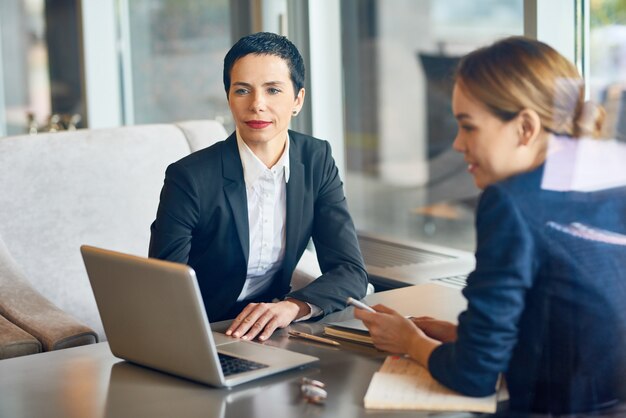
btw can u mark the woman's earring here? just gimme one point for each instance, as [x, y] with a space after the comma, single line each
[295, 112]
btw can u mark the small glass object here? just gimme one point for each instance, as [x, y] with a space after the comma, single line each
[313, 391]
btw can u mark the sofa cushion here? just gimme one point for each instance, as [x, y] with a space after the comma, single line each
[15, 342]
[198, 132]
[98, 187]
[25, 307]
[28, 309]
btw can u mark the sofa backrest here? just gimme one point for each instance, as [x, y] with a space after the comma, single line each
[98, 187]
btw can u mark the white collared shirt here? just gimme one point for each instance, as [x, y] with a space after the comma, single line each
[266, 191]
[266, 195]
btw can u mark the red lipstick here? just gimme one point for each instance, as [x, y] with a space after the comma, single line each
[258, 124]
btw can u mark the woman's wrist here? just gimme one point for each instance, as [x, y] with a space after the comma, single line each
[421, 348]
[303, 307]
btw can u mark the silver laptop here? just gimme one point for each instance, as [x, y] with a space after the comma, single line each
[153, 315]
[149, 393]
[397, 263]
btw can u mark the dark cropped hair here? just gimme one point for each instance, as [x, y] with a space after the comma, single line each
[519, 73]
[266, 43]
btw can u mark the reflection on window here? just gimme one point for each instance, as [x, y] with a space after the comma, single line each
[40, 66]
[402, 177]
[177, 49]
[25, 65]
[607, 49]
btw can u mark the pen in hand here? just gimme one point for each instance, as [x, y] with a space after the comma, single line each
[359, 304]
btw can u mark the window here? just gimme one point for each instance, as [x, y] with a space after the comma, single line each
[607, 63]
[402, 177]
[40, 78]
[177, 49]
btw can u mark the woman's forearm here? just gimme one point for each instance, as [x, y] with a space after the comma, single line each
[421, 347]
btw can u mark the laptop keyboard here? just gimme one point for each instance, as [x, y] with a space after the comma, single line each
[458, 281]
[232, 365]
[386, 254]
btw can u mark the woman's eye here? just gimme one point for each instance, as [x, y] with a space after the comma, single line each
[273, 90]
[241, 91]
[467, 128]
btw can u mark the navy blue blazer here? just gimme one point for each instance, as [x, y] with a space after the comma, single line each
[547, 301]
[202, 220]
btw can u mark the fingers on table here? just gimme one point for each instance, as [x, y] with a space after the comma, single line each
[251, 321]
[260, 324]
[242, 322]
[238, 321]
[270, 327]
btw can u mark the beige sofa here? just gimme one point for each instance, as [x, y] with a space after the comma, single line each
[61, 190]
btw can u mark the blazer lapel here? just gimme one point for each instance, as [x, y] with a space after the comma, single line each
[235, 190]
[295, 195]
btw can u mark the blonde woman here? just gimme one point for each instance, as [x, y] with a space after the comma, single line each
[546, 302]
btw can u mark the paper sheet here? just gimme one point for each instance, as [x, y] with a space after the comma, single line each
[403, 384]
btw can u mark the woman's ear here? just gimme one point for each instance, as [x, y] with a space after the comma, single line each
[529, 126]
[299, 101]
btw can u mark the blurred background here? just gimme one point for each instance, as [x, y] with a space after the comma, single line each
[378, 82]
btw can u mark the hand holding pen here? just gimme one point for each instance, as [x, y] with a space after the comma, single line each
[360, 305]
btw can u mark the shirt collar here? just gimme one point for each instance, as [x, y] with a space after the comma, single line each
[253, 167]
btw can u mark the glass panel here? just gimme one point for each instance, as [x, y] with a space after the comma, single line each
[24, 63]
[40, 66]
[607, 55]
[177, 50]
[403, 179]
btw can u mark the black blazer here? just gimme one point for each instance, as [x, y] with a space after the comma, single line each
[202, 220]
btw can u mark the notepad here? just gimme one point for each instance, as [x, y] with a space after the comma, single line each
[401, 383]
[351, 330]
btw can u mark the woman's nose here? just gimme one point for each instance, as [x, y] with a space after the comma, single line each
[258, 103]
[458, 144]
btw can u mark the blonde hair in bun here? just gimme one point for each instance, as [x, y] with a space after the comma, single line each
[518, 73]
